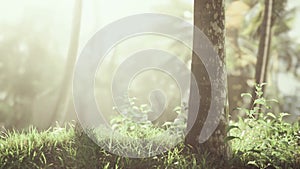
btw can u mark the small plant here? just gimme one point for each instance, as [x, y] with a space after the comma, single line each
[263, 138]
[260, 103]
[133, 121]
[134, 112]
[178, 126]
[132, 133]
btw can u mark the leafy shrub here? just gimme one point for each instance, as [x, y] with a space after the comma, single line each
[133, 134]
[263, 138]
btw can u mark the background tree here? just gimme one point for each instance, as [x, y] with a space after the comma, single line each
[244, 25]
[63, 100]
[209, 15]
[264, 46]
[24, 65]
[272, 10]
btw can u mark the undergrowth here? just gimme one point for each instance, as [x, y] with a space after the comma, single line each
[53, 148]
[262, 139]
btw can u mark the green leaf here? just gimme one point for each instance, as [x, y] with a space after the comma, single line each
[253, 163]
[259, 93]
[167, 123]
[261, 101]
[228, 138]
[284, 114]
[271, 115]
[263, 84]
[246, 94]
[273, 100]
[228, 128]
[114, 126]
[177, 108]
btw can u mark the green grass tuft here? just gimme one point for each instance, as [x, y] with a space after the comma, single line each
[64, 148]
[260, 140]
[53, 148]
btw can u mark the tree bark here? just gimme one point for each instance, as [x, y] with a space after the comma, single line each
[209, 17]
[263, 54]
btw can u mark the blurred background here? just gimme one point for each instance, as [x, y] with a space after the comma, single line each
[40, 40]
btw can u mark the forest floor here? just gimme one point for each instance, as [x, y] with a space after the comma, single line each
[255, 144]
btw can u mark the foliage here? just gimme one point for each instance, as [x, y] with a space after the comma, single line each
[132, 133]
[263, 138]
[134, 119]
[64, 148]
[242, 44]
[260, 140]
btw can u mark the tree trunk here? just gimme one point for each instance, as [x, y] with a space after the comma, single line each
[209, 17]
[63, 100]
[263, 55]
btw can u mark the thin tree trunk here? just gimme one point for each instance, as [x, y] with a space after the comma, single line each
[210, 18]
[264, 46]
[63, 100]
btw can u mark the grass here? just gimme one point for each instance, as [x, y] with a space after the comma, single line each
[262, 139]
[63, 148]
[33, 149]
[144, 146]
